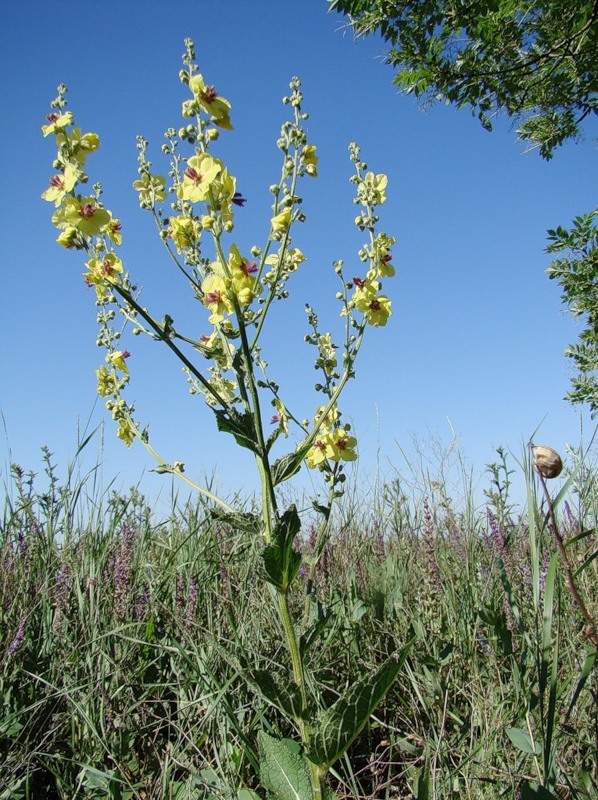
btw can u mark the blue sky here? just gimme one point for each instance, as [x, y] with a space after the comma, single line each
[475, 343]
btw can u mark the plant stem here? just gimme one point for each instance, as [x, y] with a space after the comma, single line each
[590, 629]
[315, 772]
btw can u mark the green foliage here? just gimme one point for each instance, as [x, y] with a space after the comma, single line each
[282, 769]
[576, 270]
[339, 725]
[141, 658]
[281, 560]
[534, 61]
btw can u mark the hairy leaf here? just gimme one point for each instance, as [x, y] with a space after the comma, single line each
[338, 727]
[283, 772]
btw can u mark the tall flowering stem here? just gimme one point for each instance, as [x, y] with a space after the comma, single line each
[194, 208]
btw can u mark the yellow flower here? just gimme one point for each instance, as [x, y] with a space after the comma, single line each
[365, 290]
[343, 446]
[282, 221]
[320, 451]
[105, 381]
[218, 107]
[80, 145]
[292, 259]
[84, 214]
[57, 122]
[330, 419]
[295, 257]
[381, 255]
[243, 276]
[327, 358]
[184, 232]
[102, 271]
[223, 195]
[310, 160]
[281, 417]
[151, 188]
[216, 346]
[200, 173]
[126, 432]
[117, 359]
[215, 297]
[69, 237]
[113, 230]
[372, 189]
[376, 309]
[60, 185]
[224, 386]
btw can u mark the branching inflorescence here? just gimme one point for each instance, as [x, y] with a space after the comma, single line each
[194, 209]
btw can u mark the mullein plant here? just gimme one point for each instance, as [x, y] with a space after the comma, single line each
[194, 210]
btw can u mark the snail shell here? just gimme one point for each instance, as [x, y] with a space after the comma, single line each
[546, 461]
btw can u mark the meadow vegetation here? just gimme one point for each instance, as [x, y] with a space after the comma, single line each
[130, 646]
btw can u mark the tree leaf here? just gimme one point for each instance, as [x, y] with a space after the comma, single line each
[283, 771]
[339, 725]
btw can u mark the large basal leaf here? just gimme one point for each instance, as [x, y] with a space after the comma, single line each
[521, 739]
[532, 791]
[283, 771]
[337, 727]
[247, 794]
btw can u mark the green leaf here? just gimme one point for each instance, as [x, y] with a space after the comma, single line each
[240, 425]
[286, 698]
[533, 791]
[340, 725]
[282, 770]
[281, 561]
[247, 794]
[286, 467]
[422, 787]
[238, 520]
[313, 633]
[521, 739]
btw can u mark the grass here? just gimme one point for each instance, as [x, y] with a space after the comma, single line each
[126, 643]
